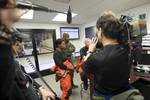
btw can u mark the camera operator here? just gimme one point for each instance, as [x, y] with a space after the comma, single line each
[9, 89]
[9, 14]
[29, 87]
[110, 66]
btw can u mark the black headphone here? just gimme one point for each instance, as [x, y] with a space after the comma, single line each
[3, 3]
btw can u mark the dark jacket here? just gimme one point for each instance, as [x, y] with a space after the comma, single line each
[9, 89]
[110, 68]
[83, 51]
[60, 57]
[22, 78]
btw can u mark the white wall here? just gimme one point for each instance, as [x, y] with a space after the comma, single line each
[79, 43]
[93, 23]
[26, 25]
[131, 12]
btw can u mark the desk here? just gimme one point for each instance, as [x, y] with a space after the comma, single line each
[140, 71]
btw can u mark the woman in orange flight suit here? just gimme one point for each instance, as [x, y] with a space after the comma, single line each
[63, 69]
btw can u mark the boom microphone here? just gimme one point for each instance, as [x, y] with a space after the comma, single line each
[36, 7]
[69, 16]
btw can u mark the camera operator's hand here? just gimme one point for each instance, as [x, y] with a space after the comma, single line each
[93, 44]
[19, 12]
[13, 13]
[46, 94]
[9, 14]
[10, 3]
[16, 14]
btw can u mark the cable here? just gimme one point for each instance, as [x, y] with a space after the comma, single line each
[40, 76]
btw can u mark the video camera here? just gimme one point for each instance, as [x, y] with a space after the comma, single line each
[127, 28]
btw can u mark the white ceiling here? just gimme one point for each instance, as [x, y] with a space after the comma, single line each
[87, 10]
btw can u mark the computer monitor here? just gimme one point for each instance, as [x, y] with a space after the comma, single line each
[145, 59]
[72, 31]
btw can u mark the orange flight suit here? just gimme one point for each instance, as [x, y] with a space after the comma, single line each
[79, 67]
[65, 80]
[90, 76]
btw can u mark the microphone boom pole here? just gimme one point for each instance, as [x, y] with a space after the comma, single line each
[36, 7]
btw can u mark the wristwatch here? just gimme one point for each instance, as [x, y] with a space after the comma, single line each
[91, 52]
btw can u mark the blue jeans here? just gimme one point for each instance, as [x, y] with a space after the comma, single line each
[100, 96]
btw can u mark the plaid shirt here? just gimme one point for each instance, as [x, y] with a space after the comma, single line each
[5, 34]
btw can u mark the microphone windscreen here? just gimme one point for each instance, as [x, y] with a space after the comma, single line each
[69, 16]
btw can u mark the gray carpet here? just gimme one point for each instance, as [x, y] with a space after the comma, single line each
[76, 92]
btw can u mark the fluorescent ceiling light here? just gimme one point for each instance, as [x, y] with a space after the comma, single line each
[62, 17]
[63, 1]
[28, 15]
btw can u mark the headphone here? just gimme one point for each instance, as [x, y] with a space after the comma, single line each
[3, 3]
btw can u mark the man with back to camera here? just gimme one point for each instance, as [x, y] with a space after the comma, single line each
[83, 50]
[110, 66]
[79, 67]
[83, 53]
[70, 48]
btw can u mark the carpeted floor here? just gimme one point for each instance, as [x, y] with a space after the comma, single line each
[50, 79]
